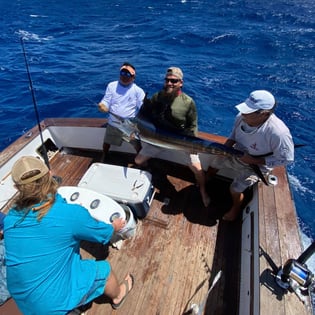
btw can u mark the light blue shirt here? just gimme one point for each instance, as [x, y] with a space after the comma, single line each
[121, 100]
[45, 273]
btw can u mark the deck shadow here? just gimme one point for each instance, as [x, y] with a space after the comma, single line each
[188, 201]
[225, 295]
[268, 276]
[97, 250]
[227, 251]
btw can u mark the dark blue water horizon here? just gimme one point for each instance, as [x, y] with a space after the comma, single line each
[225, 48]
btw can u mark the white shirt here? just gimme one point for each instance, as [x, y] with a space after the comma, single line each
[273, 138]
[123, 101]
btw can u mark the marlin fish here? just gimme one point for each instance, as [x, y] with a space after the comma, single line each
[142, 129]
[146, 131]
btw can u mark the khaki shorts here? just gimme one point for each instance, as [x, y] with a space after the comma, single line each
[245, 177]
[113, 136]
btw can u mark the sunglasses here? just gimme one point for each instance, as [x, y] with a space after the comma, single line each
[172, 80]
[124, 73]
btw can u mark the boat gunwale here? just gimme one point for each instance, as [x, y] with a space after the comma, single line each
[32, 133]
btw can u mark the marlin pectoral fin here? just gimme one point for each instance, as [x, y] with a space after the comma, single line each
[259, 173]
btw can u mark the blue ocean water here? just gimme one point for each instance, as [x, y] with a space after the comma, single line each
[225, 48]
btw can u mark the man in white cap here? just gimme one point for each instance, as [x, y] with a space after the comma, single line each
[173, 110]
[122, 99]
[265, 140]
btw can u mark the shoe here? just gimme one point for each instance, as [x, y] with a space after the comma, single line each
[128, 289]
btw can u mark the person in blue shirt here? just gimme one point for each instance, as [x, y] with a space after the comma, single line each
[45, 272]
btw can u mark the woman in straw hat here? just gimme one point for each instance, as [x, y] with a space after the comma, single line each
[45, 272]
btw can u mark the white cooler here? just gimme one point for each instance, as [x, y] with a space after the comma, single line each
[125, 185]
[101, 208]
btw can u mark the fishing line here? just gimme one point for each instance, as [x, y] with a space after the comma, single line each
[198, 309]
[45, 155]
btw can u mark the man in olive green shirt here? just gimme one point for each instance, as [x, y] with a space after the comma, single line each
[173, 110]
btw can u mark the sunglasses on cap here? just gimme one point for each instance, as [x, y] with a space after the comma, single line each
[124, 73]
[171, 80]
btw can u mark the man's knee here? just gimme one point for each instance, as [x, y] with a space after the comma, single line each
[141, 159]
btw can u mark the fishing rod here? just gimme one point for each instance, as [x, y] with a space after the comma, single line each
[45, 155]
[198, 309]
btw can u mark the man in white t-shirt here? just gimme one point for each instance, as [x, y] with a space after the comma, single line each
[122, 99]
[265, 140]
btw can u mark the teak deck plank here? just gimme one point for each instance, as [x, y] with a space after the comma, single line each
[69, 167]
[278, 227]
[269, 242]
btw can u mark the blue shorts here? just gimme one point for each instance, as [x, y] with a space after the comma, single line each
[102, 273]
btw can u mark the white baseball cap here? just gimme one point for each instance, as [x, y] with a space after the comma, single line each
[257, 100]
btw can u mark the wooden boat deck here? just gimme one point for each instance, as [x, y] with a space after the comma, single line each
[179, 248]
[175, 253]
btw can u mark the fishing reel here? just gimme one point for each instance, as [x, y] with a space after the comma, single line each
[295, 276]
